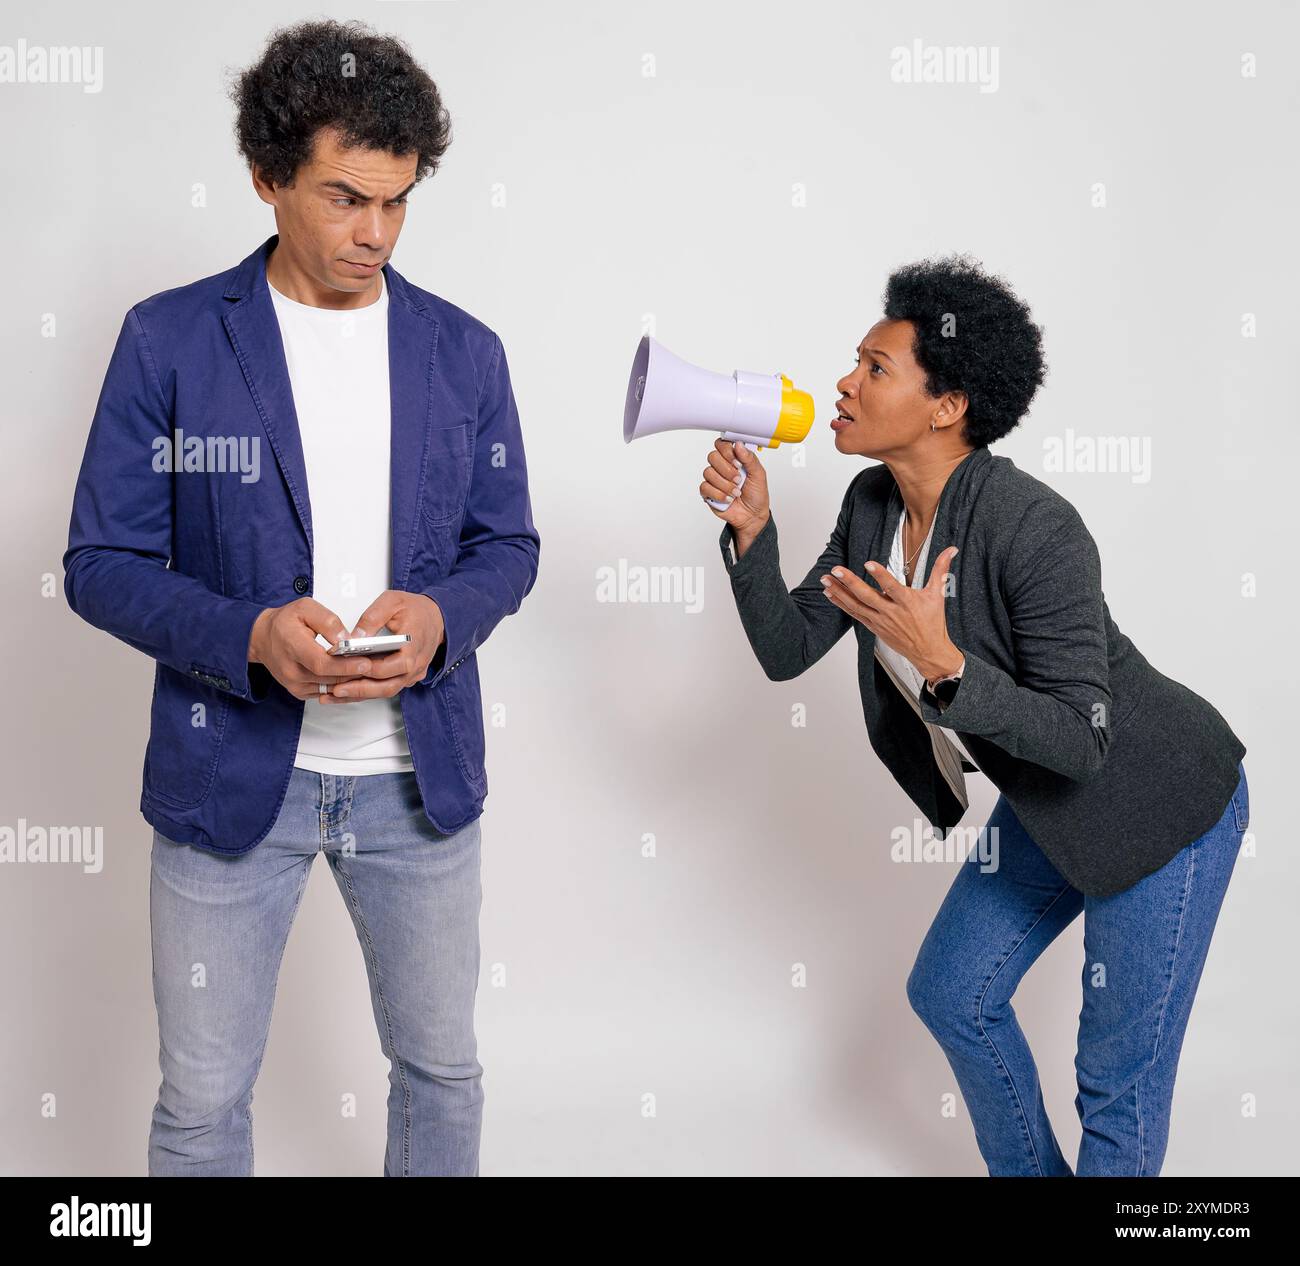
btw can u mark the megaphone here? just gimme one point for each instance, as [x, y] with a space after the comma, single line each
[665, 393]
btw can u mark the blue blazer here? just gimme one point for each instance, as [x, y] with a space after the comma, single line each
[180, 564]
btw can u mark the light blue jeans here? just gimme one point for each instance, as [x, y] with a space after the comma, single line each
[219, 926]
[1144, 949]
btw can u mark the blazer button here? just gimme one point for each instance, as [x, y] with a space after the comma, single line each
[301, 584]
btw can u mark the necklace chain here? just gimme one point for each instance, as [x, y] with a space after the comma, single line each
[918, 549]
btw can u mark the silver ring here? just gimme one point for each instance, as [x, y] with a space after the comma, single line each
[322, 687]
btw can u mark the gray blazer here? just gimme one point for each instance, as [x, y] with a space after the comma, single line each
[1111, 766]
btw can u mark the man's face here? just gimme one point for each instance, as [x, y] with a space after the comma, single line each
[340, 219]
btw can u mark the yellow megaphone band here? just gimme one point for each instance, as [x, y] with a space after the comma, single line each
[796, 418]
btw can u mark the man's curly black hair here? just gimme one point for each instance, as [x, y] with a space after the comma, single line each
[972, 335]
[325, 73]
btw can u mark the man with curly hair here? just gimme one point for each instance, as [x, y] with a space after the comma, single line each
[393, 499]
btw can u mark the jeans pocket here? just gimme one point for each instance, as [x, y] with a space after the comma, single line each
[1241, 802]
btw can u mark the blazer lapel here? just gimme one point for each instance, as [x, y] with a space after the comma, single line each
[954, 505]
[952, 511]
[951, 521]
[884, 542]
[946, 754]
[254, 333]
[412, 349]
[950, 518]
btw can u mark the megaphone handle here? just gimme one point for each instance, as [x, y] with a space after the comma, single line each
[744, 474]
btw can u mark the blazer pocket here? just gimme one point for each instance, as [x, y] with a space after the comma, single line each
[461, 700]
[187, 726]
[446, 475]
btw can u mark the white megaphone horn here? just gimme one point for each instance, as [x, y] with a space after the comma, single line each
[666, 393]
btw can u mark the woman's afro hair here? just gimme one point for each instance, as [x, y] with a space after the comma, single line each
[971, 335]
[323, 73]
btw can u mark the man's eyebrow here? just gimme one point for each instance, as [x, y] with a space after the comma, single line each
[875, 351]
[343, 187]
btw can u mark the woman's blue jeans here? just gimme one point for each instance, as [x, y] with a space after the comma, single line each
[1144, 949]
[219, 926]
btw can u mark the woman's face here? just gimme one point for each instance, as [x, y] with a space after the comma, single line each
[885, 400]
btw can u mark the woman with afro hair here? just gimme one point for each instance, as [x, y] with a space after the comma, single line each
[985, 645]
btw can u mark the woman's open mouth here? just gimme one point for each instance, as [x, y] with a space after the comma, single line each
[839, 422]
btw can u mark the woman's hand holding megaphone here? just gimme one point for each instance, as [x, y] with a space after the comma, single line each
[735, 472]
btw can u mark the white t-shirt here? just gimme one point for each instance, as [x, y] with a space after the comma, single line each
[900, 663]
[338, 368]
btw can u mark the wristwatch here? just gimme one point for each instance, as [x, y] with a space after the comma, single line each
[946, 687]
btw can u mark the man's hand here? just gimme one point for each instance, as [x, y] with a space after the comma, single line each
[909, 621]
[402, 612]
[284, 641]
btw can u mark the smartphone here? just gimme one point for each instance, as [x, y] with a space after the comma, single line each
[380, 644]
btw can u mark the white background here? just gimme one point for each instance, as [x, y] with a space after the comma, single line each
[673, 198]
